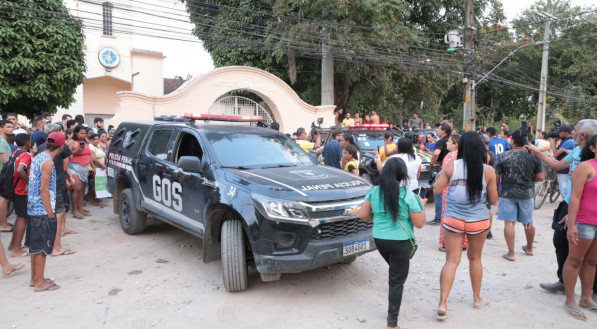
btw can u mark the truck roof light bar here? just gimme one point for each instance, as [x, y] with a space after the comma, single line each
[230, 118]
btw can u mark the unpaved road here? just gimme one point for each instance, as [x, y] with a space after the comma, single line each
[157, 280]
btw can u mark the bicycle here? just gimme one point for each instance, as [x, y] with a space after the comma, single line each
[547, 187]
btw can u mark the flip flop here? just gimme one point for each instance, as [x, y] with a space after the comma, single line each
[79, 217]
[505, 256]
[526, 252]
[69, 232]
[577, 314]
[50, 287]
[47, 280]
[485, 303]
[592, 309]
[65, 252]
[19, 267]
[442, 316]
[5, 230]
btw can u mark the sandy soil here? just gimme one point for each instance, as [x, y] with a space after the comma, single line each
[157, 280]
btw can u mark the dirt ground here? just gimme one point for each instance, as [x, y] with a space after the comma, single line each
[157, 280]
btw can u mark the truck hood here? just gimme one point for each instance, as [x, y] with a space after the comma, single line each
[307, 183]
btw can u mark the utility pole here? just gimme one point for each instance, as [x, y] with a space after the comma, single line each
[327, 73]
[468, 122]
[543, 85]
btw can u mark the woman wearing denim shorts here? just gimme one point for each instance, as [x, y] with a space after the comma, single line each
[582, 234]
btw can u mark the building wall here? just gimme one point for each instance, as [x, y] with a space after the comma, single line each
[138, 70]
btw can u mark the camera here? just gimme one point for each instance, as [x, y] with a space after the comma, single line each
[314, 128]
[526, 131]
[557, 123]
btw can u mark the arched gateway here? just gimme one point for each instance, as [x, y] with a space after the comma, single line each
[198, 94]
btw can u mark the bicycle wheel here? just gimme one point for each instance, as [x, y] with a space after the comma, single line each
[554, 191]
[541, 191]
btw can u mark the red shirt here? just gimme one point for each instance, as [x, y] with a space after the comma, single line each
[23, 159]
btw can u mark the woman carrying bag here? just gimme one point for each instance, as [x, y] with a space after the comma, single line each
[394, 210]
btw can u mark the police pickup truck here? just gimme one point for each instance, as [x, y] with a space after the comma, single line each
[251, 194]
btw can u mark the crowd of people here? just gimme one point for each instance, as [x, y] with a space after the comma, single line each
[50, 169]
[480, 169]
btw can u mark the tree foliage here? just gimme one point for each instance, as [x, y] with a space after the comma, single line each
[41, 57]
[386, 52]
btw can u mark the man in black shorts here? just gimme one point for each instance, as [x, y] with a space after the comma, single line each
[20, 182]
[41, 199]
[62, 204]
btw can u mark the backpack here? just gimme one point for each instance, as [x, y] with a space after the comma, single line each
[7, 188]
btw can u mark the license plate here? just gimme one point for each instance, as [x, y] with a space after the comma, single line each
[350, 248]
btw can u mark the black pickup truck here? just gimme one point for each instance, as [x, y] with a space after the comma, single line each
[251, 194]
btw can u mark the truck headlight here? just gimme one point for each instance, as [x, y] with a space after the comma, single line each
[281, 209]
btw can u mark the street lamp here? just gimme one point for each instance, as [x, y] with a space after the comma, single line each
[475, 84]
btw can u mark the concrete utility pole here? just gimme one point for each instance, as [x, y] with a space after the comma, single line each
[327, 74]
[468, 122]
[543, 85]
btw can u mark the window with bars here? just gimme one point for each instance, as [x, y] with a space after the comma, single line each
[107, 18]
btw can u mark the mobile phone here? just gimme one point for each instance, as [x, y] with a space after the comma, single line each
[81, 144]
[421, 192]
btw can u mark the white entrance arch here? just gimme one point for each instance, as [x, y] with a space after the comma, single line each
[198, 94]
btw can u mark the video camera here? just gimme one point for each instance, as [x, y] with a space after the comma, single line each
[526, 131]
[314, 128]
[557, 123]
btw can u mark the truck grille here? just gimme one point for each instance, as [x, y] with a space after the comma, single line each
[341, 228]
[326, 213]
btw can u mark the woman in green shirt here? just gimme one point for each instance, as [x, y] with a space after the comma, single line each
[394, 211]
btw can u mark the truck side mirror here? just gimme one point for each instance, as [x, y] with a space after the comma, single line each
[190, 164]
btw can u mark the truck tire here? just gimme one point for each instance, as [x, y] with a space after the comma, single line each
[132, 220]
[350, 259]
[234, 260]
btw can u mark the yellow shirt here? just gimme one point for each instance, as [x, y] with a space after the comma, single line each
[353, 163]
[391, 150]
[348, 122]
[305, 145]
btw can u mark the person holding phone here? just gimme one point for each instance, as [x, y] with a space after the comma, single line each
[79, 167]
[471, 184]
[394, 210]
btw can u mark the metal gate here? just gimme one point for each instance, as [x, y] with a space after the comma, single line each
[238, 105]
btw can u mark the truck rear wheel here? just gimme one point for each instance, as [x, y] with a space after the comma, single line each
[132, 220]
[234, 260]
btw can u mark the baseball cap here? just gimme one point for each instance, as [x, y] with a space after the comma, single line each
[565, 128]
[56, 138]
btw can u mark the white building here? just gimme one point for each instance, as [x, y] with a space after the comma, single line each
[123, 49]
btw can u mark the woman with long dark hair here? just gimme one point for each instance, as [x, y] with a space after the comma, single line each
[394, 210]
[79, 168]
[582, 233]
[471, 184]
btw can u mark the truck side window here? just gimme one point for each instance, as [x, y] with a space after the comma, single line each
[188, 146]
[158, 145]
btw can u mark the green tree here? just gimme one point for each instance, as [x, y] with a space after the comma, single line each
[383, 60]
[41, 57]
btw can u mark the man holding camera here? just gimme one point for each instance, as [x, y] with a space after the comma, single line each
[560, 152]
[303, 140]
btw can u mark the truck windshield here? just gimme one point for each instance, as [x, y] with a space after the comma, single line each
[370, 141]
[257, 150]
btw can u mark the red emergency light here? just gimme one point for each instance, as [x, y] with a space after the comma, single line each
[216, 117]
[371, 126]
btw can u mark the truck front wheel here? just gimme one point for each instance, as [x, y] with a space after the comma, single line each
[132, 220]
[234, 260]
